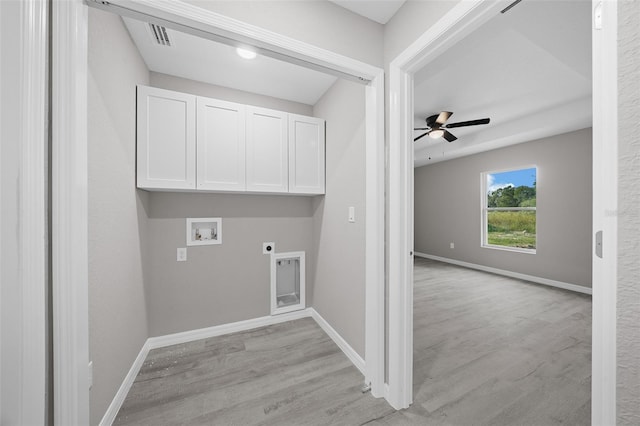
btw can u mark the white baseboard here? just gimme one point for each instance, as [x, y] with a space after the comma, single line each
[338, 340]
[118, 400]
[538, 280]
[219, 330]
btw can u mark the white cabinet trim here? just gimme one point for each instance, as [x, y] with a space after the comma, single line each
[252, 144]
[239, 184]
[143, 161]
[294, 186]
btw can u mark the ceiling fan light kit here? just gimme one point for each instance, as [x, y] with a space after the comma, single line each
[436, 126]
[436, 133]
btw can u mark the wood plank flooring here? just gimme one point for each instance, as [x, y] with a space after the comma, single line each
[285, 374]
[492, 350]
[488, 350]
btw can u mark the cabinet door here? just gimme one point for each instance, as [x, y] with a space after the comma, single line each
[306, 154]
[166, 143]
[267, 158]
[221, 145]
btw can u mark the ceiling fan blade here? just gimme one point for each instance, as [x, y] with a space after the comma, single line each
[431, 120]
[468, 123]
[443, 117]
[421, 136]
[449, 137]
[422, 128]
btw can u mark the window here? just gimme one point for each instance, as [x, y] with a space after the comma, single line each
[509, 209]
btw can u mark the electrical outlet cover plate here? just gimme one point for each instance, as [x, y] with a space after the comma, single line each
[181, 254]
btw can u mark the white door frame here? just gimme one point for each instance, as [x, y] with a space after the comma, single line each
[23, 120]
[70, 181]
[69, 216]
[605, 208]
[463, 19]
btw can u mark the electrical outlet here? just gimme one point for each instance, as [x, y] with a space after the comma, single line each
[451, 245]
[268, 248]
[182, 254]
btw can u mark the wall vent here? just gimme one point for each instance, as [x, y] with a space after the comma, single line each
[159, 35]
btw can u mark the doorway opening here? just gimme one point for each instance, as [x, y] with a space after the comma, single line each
[70, 71]
[461, 21]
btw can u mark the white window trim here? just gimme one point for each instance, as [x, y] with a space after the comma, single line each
[484, 209]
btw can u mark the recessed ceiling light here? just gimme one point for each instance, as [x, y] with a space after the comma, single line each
[436, 133]
[246, 53]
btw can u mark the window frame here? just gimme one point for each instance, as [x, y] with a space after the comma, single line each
[484, 210]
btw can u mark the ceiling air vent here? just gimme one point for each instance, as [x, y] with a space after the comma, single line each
[160, 35]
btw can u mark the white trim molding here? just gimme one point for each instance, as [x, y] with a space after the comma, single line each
[33, 207]
[605, 213]
[113, 409]
[353, 356]
[220, 330]
[69, 214]
[374, 236]
[511, 274]
[23, 120]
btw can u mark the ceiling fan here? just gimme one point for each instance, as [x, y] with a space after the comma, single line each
[436, 126]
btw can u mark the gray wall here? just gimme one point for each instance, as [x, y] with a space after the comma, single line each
[412, 20]
[447, 208]
[117, 216]
[628, 350]
[339, 276]
[221, 283]
[320, 23]
[193, 87]
[228, 282]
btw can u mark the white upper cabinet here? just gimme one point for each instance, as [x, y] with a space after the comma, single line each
[221, 145]
[166, 147]
[306, 155]
[192, 143]
[266, 145]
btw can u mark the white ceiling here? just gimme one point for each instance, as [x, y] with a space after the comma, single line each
[529, 70]
[376, 10]
[207, 61]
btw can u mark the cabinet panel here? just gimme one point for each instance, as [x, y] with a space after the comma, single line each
[166, 145]
[266, 145]
[221, 145]
[306, 154]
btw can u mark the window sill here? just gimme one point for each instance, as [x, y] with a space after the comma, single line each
[512, 249]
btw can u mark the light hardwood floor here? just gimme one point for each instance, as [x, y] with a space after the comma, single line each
[285, 374]
[488, 350]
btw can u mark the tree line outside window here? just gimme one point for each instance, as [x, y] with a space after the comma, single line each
[509, 210]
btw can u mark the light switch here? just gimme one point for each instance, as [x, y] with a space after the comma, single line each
[352, 214]
[182, 254]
